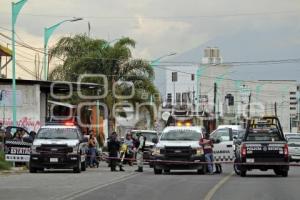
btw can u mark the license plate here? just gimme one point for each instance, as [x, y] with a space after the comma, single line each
[250, 160]
[53, 160]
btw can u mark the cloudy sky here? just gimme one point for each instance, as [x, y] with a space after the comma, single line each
[158, 26]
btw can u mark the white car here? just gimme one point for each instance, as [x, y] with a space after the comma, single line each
[294, 148]
[224, 137]
[288, 135]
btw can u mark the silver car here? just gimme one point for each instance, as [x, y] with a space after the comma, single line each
[294, 148]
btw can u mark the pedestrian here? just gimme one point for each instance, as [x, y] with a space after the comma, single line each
[113, 146]
[207, 146]
[139, 148]
[92, 150]
[129, 153]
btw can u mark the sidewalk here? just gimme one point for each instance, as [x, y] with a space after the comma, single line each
[14, 170]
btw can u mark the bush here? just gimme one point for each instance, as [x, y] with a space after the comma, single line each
[3, 164]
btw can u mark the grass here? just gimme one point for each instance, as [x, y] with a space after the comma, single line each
[3, 164]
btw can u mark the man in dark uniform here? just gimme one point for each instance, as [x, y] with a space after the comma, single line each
[113, 149]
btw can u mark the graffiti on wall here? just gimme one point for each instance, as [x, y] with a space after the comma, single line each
[25, 122]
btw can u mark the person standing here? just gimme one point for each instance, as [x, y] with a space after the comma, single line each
[92, 150]
[129, 153]
[113, 146]
[140, 145]
[207, 146]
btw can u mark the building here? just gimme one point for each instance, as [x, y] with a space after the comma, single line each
[208, 88]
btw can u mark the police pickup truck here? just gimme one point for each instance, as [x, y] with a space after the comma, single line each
[177, 149]
[263, 147]
[59, 147]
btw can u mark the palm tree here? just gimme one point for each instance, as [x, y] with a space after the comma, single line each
[84, 55]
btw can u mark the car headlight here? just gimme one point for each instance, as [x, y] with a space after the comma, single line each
[34, 149]
[199, 151]
[156, 151]
[75, 149]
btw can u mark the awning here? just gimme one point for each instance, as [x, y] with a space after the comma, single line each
[4, 51]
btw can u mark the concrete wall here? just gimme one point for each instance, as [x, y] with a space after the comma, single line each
[28, 110]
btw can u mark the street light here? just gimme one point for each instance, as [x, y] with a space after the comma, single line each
[47, 33]
[16, 8]
[156, 62]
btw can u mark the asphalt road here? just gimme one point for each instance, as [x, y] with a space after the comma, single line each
[102, 184]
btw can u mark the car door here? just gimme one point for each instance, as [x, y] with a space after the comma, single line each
[223, 147]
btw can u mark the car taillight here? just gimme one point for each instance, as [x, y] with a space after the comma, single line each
[244, 150]
[286, 150]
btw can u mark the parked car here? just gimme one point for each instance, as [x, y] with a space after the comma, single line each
[294, 148]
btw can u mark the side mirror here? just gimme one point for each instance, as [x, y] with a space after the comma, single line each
[28, 139]
[216, 141]
[155, 140]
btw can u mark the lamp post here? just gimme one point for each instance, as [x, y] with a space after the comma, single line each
[47, 33]
[156, 61]
[16, 8]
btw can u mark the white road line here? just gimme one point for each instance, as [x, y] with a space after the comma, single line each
[211, 192]
[97, 187]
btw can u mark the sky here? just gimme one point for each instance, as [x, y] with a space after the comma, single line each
[163, 26]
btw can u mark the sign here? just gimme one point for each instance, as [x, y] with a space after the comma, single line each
[17, 151]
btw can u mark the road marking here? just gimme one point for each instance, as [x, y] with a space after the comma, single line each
[97, 187]
[211, 193]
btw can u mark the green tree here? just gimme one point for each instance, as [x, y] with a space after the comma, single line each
[84, 55]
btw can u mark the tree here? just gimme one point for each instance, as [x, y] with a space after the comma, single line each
[84, 55]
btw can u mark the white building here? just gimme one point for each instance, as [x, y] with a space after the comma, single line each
[192, 87]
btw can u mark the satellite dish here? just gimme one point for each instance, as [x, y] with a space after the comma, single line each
[165, 116]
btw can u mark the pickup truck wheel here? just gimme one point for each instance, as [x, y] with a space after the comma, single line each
[167, 170]
[278, 172]
[237, 168]
[157, 171]
[285, 173]
[32, 170]
[243, 173]
[77, 169]
[202, 171]
[83, 166]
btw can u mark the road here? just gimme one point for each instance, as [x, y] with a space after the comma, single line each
[102, 184]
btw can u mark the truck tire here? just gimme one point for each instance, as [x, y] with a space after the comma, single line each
[285, 173]
[77, 169]
[278, 172]
[201, 171]
[243, 173]
[157, 171]
[236, 168]
[83, 166]
[32, 170]
[167, 171]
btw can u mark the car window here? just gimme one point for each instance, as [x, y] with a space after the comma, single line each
[221, 134]
[294, 142]
[263, 135]
[57, 133]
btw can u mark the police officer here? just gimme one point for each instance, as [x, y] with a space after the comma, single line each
[113, 149]
[140, 145]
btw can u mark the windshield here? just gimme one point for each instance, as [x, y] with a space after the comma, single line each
[294, 142]
[57, 133]
[263, 136]
[149, 135]
[181, 134]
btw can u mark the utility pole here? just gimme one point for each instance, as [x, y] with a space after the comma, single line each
[215, 101]
[275, 107]
[249, 102]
